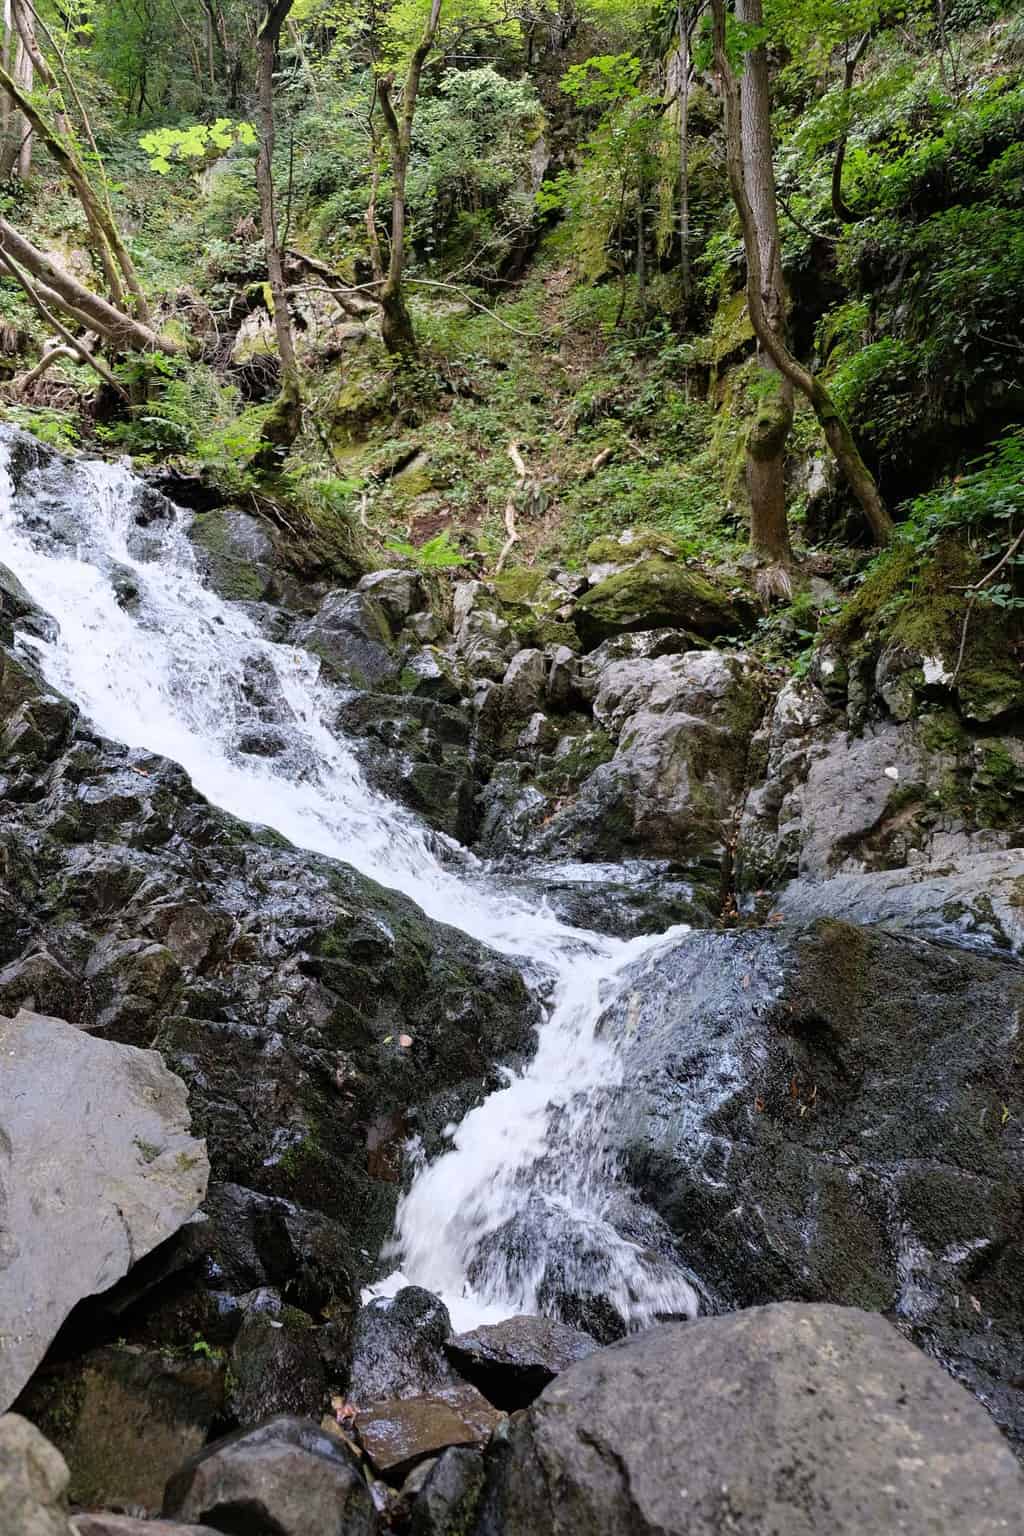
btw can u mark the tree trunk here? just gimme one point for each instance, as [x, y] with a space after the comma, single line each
[684, 28]
[837, 433]
[282, 425]
[122, 331]
[396, 323]
[769, 434]
[111, 249]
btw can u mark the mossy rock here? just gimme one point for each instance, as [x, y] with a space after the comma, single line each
[731, 330]
[634, 544]
[658, 594]
[922, 606]
[361, 400]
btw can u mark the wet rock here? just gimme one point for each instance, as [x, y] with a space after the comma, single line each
[254, 1240]
[683, 725]
[658, 593]
[417, 750]
[287, 1477]
[104, 1524]
[19, 610]
[976, 903]
[399, 593]
[830, 1114]
[275, 1367]
[512, 1362]
[33, 1481]
[40, 984]
[800, 1419]
[642, 896]
[398, 1346]
[524, 683]
[278, 984]
[236, 553]
[447, 1500]
[105, 1183]
[353, 637]
[126, 1418]
[396, 1435]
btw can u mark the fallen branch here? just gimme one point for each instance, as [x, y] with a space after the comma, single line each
[510, 507]
[20, 386]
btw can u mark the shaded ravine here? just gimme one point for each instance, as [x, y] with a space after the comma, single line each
[157, 661]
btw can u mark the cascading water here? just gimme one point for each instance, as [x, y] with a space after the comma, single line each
[156, 660]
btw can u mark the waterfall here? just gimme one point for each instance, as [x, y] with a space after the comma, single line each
[526, 1172]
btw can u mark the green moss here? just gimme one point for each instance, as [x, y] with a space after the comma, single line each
[731, 329]
[656, 594]
[639, 542]
[519, 585]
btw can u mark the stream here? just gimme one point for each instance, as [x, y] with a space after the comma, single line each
[156, 660]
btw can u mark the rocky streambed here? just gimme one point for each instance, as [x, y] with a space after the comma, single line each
[244, 1055]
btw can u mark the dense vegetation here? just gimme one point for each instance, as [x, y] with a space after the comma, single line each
[424, 275]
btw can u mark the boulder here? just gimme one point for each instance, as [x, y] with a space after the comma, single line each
[96, 1162]
[833, 1114]
[125, 1418]
[399, 593]
[398, 1347]
[658, 593]
[513, 1361]
[789, 1419]
[275, 1367]
[287, 1477]
[353, 637]
[235, 552]
[447, 1499]
[683, 726]
[848, 790]
[524, 683]
[33, 1482]
[253, 1240]
[399, 1434]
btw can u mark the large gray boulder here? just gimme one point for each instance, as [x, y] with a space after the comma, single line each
[288, 1477]
[832, 1114]
[97, 1167]
[33, 1482]
[793, 1420]
[683, 726]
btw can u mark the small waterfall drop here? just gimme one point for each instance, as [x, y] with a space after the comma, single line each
[528, 1170]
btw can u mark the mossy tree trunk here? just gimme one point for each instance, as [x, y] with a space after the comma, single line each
[769, 433]
[396, 322]
[281, 427]
[837, 432]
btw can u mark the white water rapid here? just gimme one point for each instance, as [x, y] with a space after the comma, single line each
[166, 676]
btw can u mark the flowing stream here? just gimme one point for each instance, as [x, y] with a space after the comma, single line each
[164, 671]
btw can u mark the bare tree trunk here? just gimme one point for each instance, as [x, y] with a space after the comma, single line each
[282, 425]
[837, 433]
[396, 322]
[769, 433]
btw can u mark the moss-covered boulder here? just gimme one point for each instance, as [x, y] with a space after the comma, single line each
[658, 593]
[236, 553]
